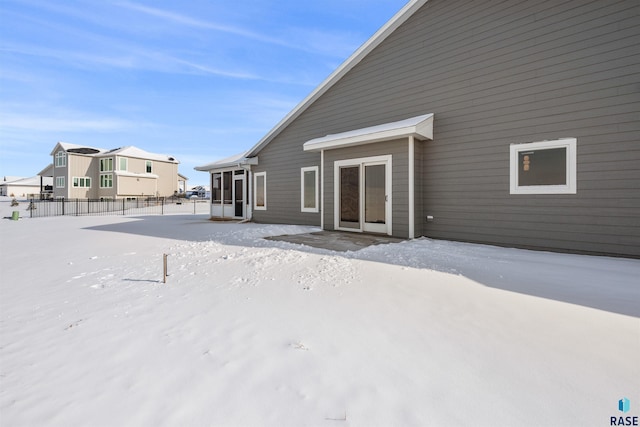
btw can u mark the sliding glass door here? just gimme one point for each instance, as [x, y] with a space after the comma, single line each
[362, 190]
[350, 197]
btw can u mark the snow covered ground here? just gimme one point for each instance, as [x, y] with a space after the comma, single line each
[254, 332]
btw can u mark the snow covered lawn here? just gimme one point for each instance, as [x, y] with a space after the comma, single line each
[254, 332]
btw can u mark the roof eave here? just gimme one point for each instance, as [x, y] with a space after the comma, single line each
[245, 161]
[400, 18]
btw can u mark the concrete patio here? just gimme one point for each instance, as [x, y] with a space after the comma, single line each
[337, 240]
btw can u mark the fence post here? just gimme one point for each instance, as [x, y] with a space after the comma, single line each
[64, 201]
[164, 265]
[162, 204]
[123, 205]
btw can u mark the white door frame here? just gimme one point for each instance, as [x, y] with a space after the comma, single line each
[244, 196]
[362, 162]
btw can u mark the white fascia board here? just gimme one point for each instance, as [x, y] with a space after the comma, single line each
[420, 127]
[387, 29]
[239, 162]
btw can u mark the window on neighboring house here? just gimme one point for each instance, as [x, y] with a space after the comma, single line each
[149, 166]
[106, 180]
[547, 167]
[260, 185]
[309, 189]
[123, 163]
[59, 181]
[106, 165]
[61, 159]
[82, 182]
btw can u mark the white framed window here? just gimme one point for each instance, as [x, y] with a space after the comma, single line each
[546, 167]
[61, 159]
[260, 186]
[149, 166]
[81, 182]
[122, 163]
[60, 181]
[309, 189]
[106, 165]
[106, 180]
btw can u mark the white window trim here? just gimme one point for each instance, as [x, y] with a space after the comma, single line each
[79, 178]
[61, 159]
[148, 163]
[302, 172]
[60, 182]
[570, 188]
[106, 163]
[255, 186]
[111, 179]
[126, 163]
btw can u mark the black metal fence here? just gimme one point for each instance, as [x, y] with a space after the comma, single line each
[139, 206]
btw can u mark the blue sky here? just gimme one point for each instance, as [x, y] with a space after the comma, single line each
[199, 79]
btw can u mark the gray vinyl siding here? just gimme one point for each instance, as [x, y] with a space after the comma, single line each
[495, 74]
[282, 159]
[399, 150]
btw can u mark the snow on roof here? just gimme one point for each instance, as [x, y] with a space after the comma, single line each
[7, 179]
[47, 171]
[66, 146]
[33, 181]
[235, 160]
[128, 151]
[420, 126]
[381, 35]
[132, 151]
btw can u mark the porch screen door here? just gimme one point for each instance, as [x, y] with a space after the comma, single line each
[238, 196]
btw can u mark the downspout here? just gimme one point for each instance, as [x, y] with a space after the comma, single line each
[322, 189]
[412, 210]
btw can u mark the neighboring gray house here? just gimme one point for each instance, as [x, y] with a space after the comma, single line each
[511, 123]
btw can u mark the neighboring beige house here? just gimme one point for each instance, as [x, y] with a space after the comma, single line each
[24, 187]
[128, 172]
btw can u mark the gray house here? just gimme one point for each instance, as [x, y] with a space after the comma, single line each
[511, 123]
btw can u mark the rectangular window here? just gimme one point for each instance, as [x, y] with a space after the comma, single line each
[260, 185]
[59, 181]
[547, 167]
[216, 188]
[123, 163]
[309, 189]
[81, 182]
[61, 159]
[149, 166]
[106, 165]
[106, 180]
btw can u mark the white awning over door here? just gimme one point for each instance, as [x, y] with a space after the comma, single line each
[420, 127]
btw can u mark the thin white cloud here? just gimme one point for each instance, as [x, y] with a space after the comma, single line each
[129, 60]
[308, 40]
[42, 123]
[192, 22]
